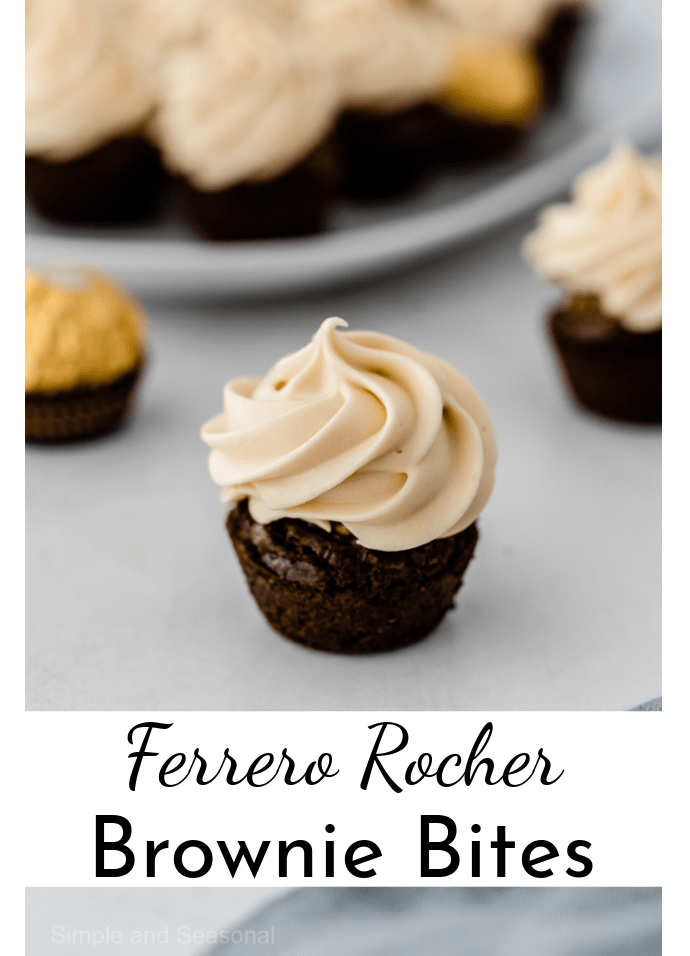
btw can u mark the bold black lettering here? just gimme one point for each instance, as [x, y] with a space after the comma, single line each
[444, 845]
[500, 845]
[529, 862]
[103, 845]
[353, 865]
[283, 850]
[587, 865]
[476, 851]
[151, 851]
[330, 852]
[205, 866]
[232, 863]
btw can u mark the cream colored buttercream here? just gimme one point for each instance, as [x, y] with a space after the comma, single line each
[520, 20]
[81, 329]
[361, 429]
[387, 53]
[608, 240]
[278, 102]
[156, 28]
[81, 85]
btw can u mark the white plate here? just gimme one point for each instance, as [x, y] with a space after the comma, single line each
[616, 92]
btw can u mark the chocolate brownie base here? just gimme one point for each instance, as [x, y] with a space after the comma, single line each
[554, 49]
[80, 413]
[386, 154]
[467, 142]
[119, 182]
[298, 203]
[611, 371]
[323, 590]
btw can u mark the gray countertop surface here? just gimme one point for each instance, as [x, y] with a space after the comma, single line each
[135, 599]
[330, 921]
[180, 921]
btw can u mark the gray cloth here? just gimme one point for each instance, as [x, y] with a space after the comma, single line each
[577, 921]
[650, 705]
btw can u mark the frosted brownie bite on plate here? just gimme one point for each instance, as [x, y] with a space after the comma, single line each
[355, 470]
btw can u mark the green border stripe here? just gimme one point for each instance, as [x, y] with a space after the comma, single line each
[12, 919]
[11, 228]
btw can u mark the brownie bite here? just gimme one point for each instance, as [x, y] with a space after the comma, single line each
[355, 470]
[87, 160]
[118, 182]
[298, 203]
[604, 251]
[611, 371]
[556, 45]
[244, 120]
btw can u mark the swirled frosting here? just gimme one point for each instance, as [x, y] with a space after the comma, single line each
[280, 105]
[156, 28]
[608, 240]
[80, 330]
[387, 53]
[361, 429]
[521, 20]
[81, 85]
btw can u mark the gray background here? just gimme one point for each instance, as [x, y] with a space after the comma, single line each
[171, 914]
[361, 921]
[135, 600]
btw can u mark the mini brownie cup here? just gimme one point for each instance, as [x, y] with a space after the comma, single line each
[323, 590]
[613, 372]
[555, 47]
[119, 182]
[386, 155]
[244, 123]
[298, 203]
[604, 251]
[87, 160]
[390, 57]
[84, 355]
[355, 471]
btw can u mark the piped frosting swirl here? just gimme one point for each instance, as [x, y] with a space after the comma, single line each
[281, 101]
[607, 242]
[386, 53]
[520, 20]
[82, 87]
[361, 429]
